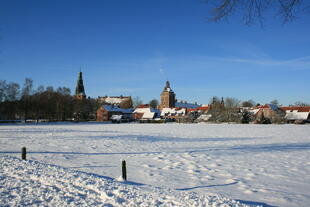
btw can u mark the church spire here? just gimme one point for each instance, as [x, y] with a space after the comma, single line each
[167, 97]
[79, 90]
[167, 86]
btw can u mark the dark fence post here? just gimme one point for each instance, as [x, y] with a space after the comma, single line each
[124, 171]
[24, 153]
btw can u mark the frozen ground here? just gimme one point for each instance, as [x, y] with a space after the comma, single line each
[264, 165]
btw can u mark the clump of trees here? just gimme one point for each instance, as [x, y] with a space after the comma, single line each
[233, 110]
[227, 110]
[301, 103]
[154, 103]
[46, 104]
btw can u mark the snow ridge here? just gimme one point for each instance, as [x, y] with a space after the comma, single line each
[31, 183]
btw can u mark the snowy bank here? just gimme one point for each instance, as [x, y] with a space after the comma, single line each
[32, 183]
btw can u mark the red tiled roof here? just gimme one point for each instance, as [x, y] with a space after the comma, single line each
[190, 110]
[297, 108]
[304, 110]
[144, 106]
[266, 106]
[202, 108]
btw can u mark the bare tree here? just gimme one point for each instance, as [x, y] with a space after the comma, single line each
[26, 97]
[300, 103]
[13, 91]
[275, 102]
[256, 10]
[28, 87]
[136, 101]
[3, 87]
[232, 103]
[248, 103]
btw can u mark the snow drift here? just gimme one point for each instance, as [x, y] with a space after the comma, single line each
[31, 183]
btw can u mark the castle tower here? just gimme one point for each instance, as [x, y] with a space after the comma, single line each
[167, 97]
[79, 90]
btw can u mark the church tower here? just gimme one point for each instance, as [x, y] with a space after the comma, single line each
[79, 90]
[167, 97]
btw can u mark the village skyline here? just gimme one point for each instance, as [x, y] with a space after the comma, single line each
[131, 49]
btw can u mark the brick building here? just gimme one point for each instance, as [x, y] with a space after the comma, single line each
[167, 97]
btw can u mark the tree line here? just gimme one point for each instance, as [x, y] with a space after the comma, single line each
[233, 110]
[43, 103]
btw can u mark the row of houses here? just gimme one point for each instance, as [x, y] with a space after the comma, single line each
[291, 114]
[143, 112]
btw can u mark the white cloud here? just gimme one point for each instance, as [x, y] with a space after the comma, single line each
[161, 71]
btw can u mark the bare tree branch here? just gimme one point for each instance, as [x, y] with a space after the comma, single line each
[256, 10]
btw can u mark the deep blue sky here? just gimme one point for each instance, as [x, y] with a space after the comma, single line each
[132, 47]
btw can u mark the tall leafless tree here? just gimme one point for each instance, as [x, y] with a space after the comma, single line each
[301, 103]
[232, 103]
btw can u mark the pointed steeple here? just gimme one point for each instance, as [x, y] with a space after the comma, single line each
[214, 100]
[167, 86]
[79, 90]
[222, 103]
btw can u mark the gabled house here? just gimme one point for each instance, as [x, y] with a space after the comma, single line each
[122, 101]
[268, 113]
[145, 112]
[297, 114]
[200, 113]
[112, 112]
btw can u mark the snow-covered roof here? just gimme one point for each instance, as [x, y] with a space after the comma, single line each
[254, 111]
[295, 115]
[146, 110]
[114, 99]
[148, 115]
[173, 111]
[112, 108]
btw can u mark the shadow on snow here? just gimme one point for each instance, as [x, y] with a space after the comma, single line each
[241, 148]
[254, 203]
[206, 186]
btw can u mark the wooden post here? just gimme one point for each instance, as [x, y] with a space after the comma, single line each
[24, 153]
[124, 171]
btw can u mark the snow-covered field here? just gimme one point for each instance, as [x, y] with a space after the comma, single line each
[168, 164]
